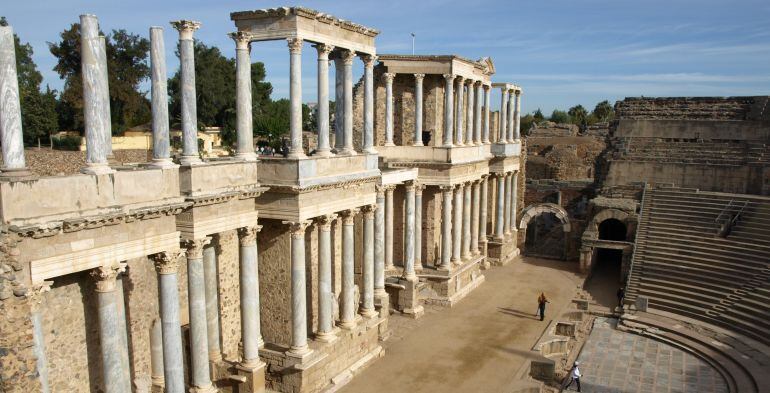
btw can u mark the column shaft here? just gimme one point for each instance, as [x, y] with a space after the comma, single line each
[514, 192]
[196, 294]
[347, 308]
[418, 228]
[502, 137]
[409, 273]
[189, 104]
[470, 119]
[298, 290]
[483, 212]
[517, 116]
[38, 339]
[487, 102]
[325, 296]
[467, 221]
[369, 104]
[446, 228]
[323, 148]
[448, 107]
[295, 98]
[251, 333]
[457, 226]
[379, 244]
[511, 110]
[460, 114]
[418, 78]
[367, 268]
[167, 266]
[475, 219]
[97, 128]
[348, 86]
[479, 89]
[244, 121]
[389, 108]
[11, 135]
[507, 204]
[110, 337]
[161, 148]
[500, 207]
[156, 353]
[105, 90]
[212, 302]
[339, 107]
[389, 228]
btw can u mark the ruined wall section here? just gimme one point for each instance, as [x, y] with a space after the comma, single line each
[693, 108]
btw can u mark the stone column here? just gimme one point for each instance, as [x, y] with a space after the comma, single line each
[212, 302]
[347, 60]
[367, 268]
[295, 98]
[459, 138]
[161, 148]
[299, 345]
[418, 78]
[114, 352]
[105, 89]
[348, 307]
[38, 338]
[469, 118]
[448, 108]
[189, 106]
[388, 77]
[97, 126]
[196, 294]
[446, 228]
[245, 143]
[368, 144]
[156, 354]
[339, 108]
[500, 207]
[479, 90]
[507, 204]
[418, 226]
[483, 213]
[325, 330]
[487, 102]
[389, 227]
[10, 108]
[323, 148]
[409, 273]
[517, 116]
[475, 219]
[457, 226]
[251, 332]
[467, 221]
[379, 244]
[514, 192]
[502, 137]
[167, 266]
[511, 110]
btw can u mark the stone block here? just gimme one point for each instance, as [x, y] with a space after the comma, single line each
[543, 369]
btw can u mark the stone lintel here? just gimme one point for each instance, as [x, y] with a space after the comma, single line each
[480, 70]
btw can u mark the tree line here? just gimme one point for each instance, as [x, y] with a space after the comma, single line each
[578, 115]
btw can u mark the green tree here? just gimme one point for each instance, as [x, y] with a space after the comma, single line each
[604, 111]
[538, 116]
[272, 122]
[578, 114]
[38, 108]
[526, 123]
[558, 116]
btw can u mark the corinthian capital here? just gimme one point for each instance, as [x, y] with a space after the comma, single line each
[297, 228]
[450, 77]
[349, 215]
[195, 247]
[324, 50]
[105, 277]
[295, 45]
[368, 60]
[369, 211]
[347, 56]
[186, 28]
[242, 39]
[419, 77]
[326, 221]
[167, 262]
[248, 235]
[388, 77]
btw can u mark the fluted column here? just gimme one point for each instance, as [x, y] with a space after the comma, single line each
[212, 302]
[475, 219]
[95, 106]
[467, 221]
[470, 120]
[487, 102]
[418, 226]
[348, 307]
[196, 294]
[511, 110]
[114, 352]
[446, 228]
[418, 78]
[478, 89]
[339, 108]
[460, 115]
[517, 116]
[325, 296]
[186, 29]
[368, 144]
[244, 121]
[299, 345]
[388, 77]
[323, 149]
[347, 61]
[483, 212]
[507, 202]
[409, 273]
[367, 267]
[379, 244]
[457, 225]
[167, 266]
[502, 137]
[500, 207]
[295, 98]
[448, 109]
[161, 148]
[251, 331]
[389, 227]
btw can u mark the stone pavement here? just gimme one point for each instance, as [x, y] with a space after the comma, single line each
[479, 344]
[613, 361]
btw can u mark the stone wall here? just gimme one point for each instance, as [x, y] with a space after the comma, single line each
[693, 108]
[228, 276]
[274, 245]
[47, 162]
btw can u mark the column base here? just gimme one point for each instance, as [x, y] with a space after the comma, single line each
[323, 153]
[389, 144]
[296, 155]
[16, 174]
[348, 152]
[347, 325]
[370, 150]
[190, 160]
[369, 313]
[251, 156]
[327, 337]
[97, 169]
[299, 352]
[254, 375]
[205, 389]
[162, 163]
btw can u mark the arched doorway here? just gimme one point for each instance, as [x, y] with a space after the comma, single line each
[612, 229]
[607, 238]
[546, 228]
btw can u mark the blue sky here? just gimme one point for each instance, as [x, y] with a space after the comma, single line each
[562, 52]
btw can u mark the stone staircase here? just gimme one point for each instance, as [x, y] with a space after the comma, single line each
[684, 268]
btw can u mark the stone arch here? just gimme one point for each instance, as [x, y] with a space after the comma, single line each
[607, 214]
[533, 211]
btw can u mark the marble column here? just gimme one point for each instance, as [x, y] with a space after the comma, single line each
[367, 267]
[299, 345]
[409, 273]
[507, 204]
[105, 90]
[418, 226]
[470, 120]
[460, 126]
[502, 137]
[517, 116]
[244, 125]
[97, 126]
[467, 221]
[114, 352]
[500, 207]
[368, 144]
[156, 354]
[186, 29]
[339, 107]
[325, 330]
[379, 244]
[196, 294]
[457, 226]
[347, 306]
[479, 90]
[251, 332]
[446, 228]
[388, 77]
[511, 110]
[35, 297]
[483, 212]
[161, 147]
[11, 135]
[514, 192]
[389, 227]
[475, 219]
[487, 102]
[347, 61]
[295, 98]
[167, 266]
[448, 108]
[323, 149]
[212, 302]
[418, 78]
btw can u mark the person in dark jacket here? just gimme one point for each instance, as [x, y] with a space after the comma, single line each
[620, 294]
[541, 301]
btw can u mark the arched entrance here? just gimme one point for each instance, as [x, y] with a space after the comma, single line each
[612, 229]
[546, 227]
[606, 253]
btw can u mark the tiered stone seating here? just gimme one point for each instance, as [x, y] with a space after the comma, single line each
[684, 268]
[696, 152]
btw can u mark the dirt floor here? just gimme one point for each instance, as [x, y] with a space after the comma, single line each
[478, 345]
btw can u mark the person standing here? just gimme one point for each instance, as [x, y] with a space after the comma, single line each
[541, 301]
[620, 294]
[574, 377]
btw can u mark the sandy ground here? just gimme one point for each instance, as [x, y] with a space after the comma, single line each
[478, 345]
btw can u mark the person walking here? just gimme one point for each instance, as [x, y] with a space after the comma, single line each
[574, 375]
[541, 301]
[620, 294]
